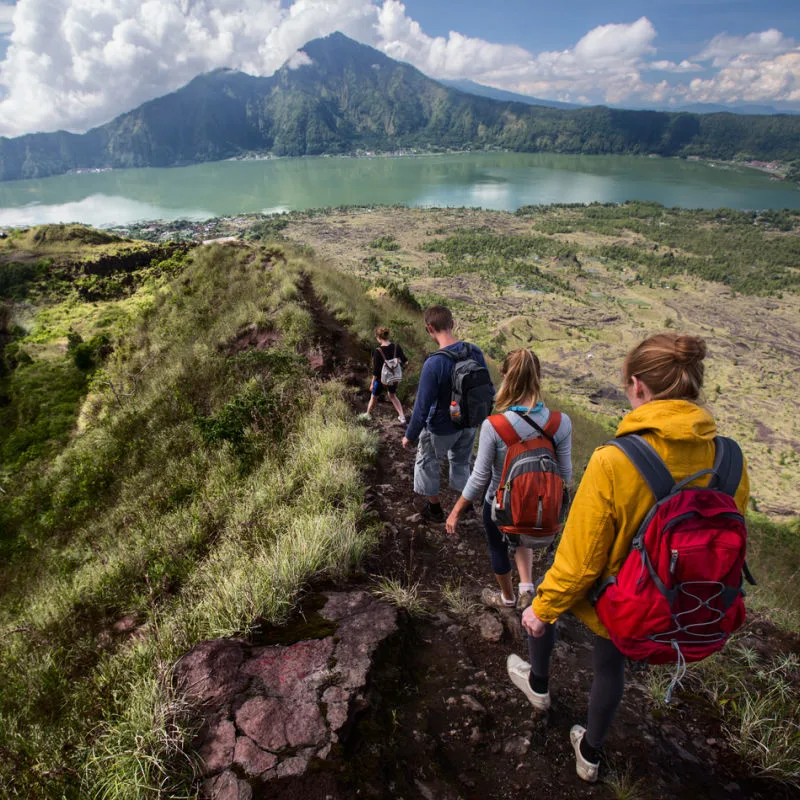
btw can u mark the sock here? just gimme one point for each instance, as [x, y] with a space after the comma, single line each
[591, 754]
[526, 587]
[539, 685]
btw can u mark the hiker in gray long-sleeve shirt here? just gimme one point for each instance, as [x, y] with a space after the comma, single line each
[517, 397]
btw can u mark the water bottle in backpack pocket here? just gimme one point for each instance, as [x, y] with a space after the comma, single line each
[471, 389]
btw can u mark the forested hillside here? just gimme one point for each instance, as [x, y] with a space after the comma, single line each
[352, 98]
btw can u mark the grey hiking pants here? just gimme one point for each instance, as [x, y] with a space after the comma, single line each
[608, 685]
[431, 450]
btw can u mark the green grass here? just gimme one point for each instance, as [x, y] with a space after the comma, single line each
[742, 249]
[457, 600]
[757, 698]
[503, 259]
[401, 594]
[773, 553]
[204, 492]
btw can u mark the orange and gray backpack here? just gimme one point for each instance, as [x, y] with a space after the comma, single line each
[529, 501]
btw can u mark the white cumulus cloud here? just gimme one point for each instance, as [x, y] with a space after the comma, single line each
[6, 19]
[672, 66]
[758, 68]
[458, 56]
[723, 49]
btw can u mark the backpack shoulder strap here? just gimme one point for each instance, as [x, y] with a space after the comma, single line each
[395, 350]
[552, 425]
[728, 465]
[504, 429]
[649, 463]
[467, 353]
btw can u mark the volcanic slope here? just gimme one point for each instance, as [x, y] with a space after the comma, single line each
[581, 285]
[213, 477]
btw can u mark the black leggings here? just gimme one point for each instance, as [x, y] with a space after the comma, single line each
[607, 687]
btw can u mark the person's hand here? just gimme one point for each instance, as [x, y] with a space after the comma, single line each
[406, 444]
[452, 523]
[532, 623]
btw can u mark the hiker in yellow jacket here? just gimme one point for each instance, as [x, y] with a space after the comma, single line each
[663, 377]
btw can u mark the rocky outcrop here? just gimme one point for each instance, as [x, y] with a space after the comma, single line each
[268, 712]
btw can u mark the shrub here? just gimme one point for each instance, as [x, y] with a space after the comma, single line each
[386, 242]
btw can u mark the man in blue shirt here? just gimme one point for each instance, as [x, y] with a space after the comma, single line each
[431, 428]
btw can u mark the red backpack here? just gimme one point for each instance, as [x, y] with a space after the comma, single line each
[678, 596]
[529, 499]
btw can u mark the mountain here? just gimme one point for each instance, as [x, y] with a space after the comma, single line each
[471, 87]
[351, 97]
[747, 109]
[478, 89]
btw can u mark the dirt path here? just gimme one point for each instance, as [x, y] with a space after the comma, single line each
[450, 724]
[446, 723]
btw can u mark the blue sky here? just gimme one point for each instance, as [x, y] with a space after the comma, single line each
[73, 64]
[683, 26]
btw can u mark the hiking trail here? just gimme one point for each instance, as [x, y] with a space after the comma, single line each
[438, 717]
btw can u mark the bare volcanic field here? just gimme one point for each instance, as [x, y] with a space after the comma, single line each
[582, 284]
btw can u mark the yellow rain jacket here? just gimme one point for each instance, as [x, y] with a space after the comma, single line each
[613, 499]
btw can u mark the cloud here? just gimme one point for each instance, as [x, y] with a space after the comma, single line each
[723, 49]
[298, 59]
[457, 56]
[604, 66]
[6, 19]
[74, 64]
[671, 66]
[751, 79]
[759, 67]
[77, 63]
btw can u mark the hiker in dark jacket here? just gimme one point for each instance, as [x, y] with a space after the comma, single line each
[431, 427]
[385, 351]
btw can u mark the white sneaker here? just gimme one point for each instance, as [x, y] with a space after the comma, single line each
[402, 420]
[519, 672]
[587, 771]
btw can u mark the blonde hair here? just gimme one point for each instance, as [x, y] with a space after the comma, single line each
[669, 364]
[521, 379]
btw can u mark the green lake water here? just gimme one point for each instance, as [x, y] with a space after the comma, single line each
[491, 180]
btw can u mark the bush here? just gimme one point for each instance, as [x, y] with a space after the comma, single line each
[387, 242]
[269, 228]
[400, 292]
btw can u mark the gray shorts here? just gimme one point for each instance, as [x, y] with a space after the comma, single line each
[431, 449]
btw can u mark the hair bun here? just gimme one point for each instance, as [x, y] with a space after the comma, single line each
[689, 349]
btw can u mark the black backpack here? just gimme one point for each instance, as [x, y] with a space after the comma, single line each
[471, 389]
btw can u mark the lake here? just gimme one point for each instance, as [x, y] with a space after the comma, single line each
[503, 181]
